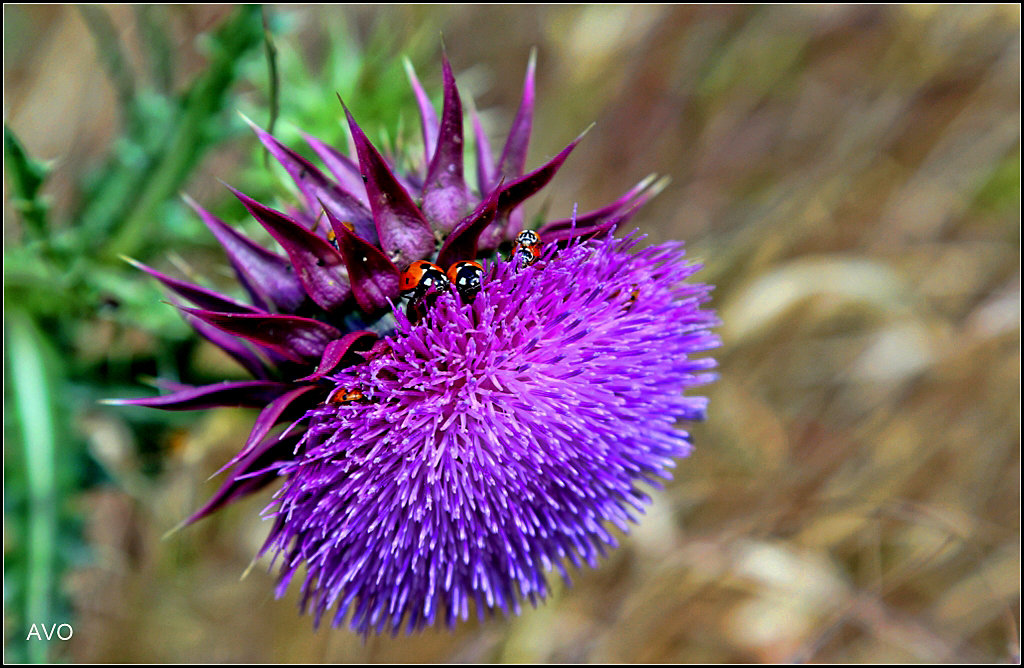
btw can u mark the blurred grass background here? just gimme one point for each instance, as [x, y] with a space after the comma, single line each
[849, 176]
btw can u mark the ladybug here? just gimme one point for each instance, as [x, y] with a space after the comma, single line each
[528, 238]
[527, 247]
[344, 396]
[420, 277]
[465, 275]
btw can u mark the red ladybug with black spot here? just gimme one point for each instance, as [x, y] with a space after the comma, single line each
[420, 277]
[344, 396]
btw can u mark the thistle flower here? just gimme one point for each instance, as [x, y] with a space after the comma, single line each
[461, 453]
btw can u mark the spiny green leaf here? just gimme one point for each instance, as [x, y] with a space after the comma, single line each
[194, 131]
[27, 177]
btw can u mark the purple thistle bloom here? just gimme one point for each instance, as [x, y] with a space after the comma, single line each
[499, 438]
[456, 450]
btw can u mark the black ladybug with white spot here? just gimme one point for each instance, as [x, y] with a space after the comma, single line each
[466, 275]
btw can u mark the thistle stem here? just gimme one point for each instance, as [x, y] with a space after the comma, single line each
[187, 142]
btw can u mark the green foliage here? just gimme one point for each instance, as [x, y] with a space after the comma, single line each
[65, 285]
[369, 77]
[35, 426]
[26, 176]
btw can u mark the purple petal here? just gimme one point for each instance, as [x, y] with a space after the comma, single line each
[513, 224]
[320, 267]
[513, 157]
[445, 197]
[267, 277]
[237, 350]
[461, 244]
[171, 385]
[318, 190]
[374, 277]
[484, 156]
[196, 294]
[284, 408]
[404, 234]
[342, 168]
[336, 351]
[379, 348]
[602, 225]
[296, 338]
[524, 187]
[251, 475]
[234, 348]
[515, 193]
[249, 393]
[428, 117]
[635, 197]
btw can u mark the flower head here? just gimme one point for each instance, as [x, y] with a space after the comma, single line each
[458, 447]
[497, 438]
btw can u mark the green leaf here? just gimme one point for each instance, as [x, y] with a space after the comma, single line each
[27, 177]
[32, 389]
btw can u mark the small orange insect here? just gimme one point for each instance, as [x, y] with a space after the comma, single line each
[344, 396]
